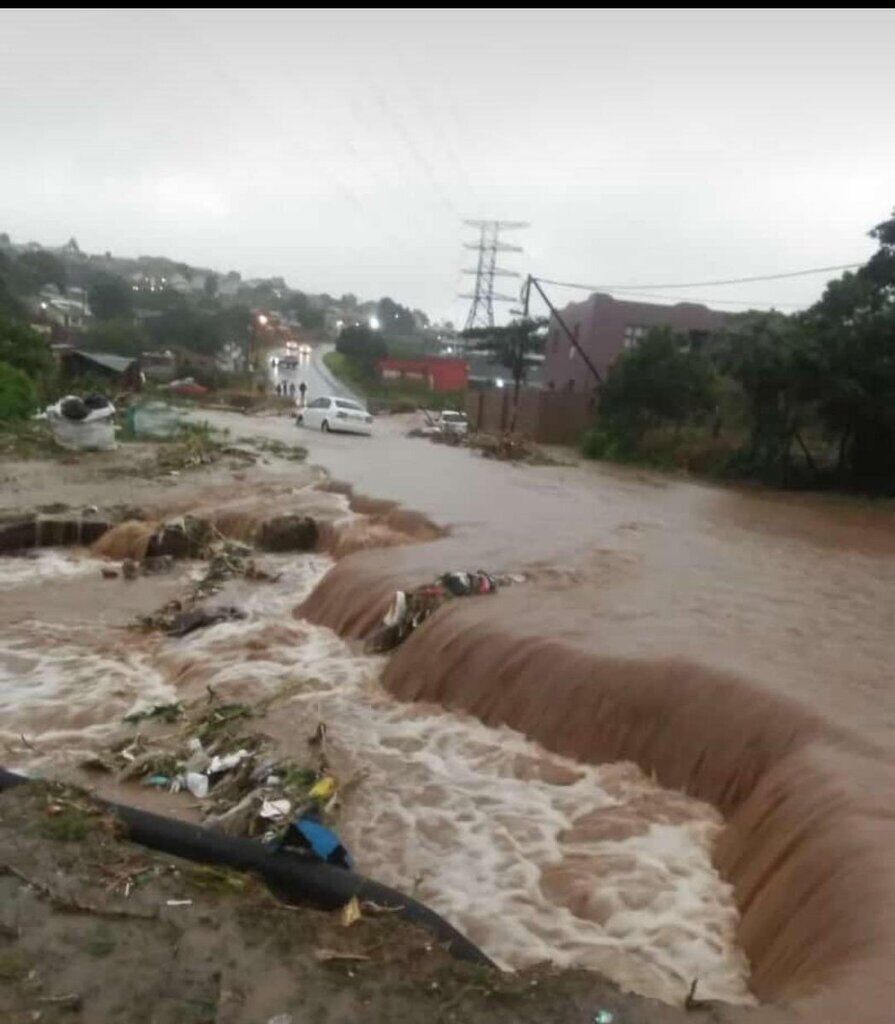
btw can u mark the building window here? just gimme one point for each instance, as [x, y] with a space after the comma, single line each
[634, 334]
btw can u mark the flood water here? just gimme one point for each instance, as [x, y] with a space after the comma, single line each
[534, 856]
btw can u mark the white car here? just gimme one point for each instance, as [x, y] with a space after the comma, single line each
[450, 422]
[333, 413]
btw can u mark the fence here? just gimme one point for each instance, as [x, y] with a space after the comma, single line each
[551, 417]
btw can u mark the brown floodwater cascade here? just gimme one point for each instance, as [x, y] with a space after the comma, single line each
[735, 647]
[809, 838]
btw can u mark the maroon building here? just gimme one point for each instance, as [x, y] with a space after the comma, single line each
[604, 327]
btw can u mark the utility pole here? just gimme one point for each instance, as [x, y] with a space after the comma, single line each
[481, 312]
[573, 341]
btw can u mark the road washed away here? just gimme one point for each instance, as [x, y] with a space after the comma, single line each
[534, 856]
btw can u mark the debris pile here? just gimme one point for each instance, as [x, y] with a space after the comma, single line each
[243, 787]
[410, 608]
[505, 447]
[83, 424]
[509, 447]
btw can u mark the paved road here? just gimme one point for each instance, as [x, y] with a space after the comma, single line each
[311, 370]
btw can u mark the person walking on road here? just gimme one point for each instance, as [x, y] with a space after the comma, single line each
[302, 391]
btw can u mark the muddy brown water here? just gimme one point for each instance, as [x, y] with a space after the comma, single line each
[736, 646]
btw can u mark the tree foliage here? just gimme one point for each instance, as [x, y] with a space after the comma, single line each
[26, 350]
[110, 297]
[512, 346]
[395, 319]
[660, 382]
[18, 398]
[120, 337]
[363, 346]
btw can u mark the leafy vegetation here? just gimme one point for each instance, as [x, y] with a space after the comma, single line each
[802, 400]
[18, 398]
[513, 346]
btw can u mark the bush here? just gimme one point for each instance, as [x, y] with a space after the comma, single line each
[18, 398]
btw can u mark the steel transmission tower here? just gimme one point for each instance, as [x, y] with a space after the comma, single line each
[481, 312]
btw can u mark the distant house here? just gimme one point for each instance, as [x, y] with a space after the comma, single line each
[67, 311]
[160, 366]
[436, 374]
[604, 327]
[123, 371]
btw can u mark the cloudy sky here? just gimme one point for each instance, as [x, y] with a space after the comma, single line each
[343, 150]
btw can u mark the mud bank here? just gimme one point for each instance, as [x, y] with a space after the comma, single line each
[809, 827]
[326, 518]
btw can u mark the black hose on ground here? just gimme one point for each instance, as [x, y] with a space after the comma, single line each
[291, 877]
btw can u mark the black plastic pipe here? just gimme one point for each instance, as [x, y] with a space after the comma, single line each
[290, 877]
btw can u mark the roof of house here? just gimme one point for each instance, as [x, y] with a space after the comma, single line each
[118, 364]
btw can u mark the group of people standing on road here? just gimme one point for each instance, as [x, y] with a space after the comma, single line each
[288, 390]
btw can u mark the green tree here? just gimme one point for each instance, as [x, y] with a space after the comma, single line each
[363, 346]
[40, 268]
[395, 318]
[10, 305]
[774, 361]
[853, 325]
[187, 328]
[26, 350]
[513, 346]
[18, 398]
[308, 315]
[120, 337]
[110, 297]
[210, 287]
[661, 382]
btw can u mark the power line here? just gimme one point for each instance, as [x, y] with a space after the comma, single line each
[686, 298]
[697, 284]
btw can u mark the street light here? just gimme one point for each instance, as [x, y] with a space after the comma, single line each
[262, 319]
[374, 323]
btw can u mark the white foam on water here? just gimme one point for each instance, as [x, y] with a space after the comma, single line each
[490, 829]
[66, 689]
[533, 856]
[44, 564]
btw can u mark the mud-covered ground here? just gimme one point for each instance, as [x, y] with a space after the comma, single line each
[96, 929]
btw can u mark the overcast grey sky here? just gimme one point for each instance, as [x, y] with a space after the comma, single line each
[342, 150]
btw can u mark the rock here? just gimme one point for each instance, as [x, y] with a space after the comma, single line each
[44, 531]
[199, 618]
[18, 533]
[129, 569]
[288, 533]
[157, 565]
[62, 531]
[188, 537]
